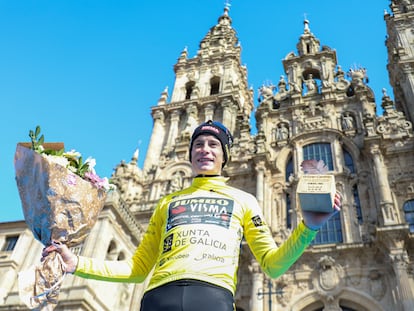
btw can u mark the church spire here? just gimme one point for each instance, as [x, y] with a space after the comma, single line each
[211, 85]
[306, 26]
[225, 18]
[227, 6]
[308, 43]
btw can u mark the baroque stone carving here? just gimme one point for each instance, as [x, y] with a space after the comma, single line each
[330, 274]
[376, 285]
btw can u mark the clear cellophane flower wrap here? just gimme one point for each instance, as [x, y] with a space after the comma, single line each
[59, 207]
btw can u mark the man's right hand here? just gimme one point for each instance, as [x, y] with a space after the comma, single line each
[69, 258]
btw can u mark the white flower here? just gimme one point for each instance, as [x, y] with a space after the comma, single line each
[72, 154]
[57, 159]
[91, 164]
[72, 160]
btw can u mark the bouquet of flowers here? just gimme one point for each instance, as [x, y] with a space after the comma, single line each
[61, 198]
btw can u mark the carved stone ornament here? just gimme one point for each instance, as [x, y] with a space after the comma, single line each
[376, 285]
[330, 275]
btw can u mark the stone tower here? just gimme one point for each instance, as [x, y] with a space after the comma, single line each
[319, 111]
[362, 260]
[400, 47]
[211, 85]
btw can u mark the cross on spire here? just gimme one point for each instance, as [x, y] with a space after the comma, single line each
[306, 22]
[227, 5]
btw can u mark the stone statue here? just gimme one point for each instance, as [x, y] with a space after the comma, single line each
[176, 182]
[311, 85]
[348, 122]
[266, 94]
[282, 132]
[282, 85]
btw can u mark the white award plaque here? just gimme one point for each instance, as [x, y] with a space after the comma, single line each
[316, 189]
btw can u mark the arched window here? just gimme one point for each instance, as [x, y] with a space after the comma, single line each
[350, 91]
[10, 243]
[409, 214]
[288, 173]
[342, 308]
[121, 256]
[349, 162]
[214, 85]
[331, 232]
[111, 252]
[319, 151]
[357, 204]
[288, 169]
[189, 87]
[288, 212]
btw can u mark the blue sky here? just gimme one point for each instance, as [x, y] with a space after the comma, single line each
[89, 71]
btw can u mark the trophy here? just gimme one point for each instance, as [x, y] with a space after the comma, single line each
[316, 189]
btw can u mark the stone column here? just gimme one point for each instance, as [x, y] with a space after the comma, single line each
[297, 159]
[408, 83]
[155, 147]
[95, 246]
[256, 302]
[227, 113]
[393, 240]
[8, 277]
[173, 132]
[400, 263]
[209, 112]
[260, 186]
[337, 150]
[387, 208]
[12, 260]
[277, 208]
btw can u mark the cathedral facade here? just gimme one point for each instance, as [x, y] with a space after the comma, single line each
[361, 260]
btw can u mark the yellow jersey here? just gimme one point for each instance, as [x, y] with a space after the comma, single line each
[196, 233]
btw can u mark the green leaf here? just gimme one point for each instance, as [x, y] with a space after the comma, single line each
[41, 140]
[37, 130]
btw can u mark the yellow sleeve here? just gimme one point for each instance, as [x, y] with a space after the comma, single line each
[137, 268]
[278, 261]
[274, 261]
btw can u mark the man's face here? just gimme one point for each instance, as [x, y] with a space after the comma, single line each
[207, 155]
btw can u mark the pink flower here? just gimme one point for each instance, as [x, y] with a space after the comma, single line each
[314, 167]
[101, 183]
[71, 180]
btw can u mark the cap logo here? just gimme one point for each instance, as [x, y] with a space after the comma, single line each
[210, 128]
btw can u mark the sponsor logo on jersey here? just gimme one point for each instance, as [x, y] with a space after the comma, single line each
[168, 242]
[257, 221]
[199, 237]
[203, 210]
[206, 256]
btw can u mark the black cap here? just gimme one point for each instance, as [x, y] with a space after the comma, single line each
[219, 131]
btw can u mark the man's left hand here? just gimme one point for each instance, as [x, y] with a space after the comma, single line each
[315, 220]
